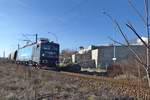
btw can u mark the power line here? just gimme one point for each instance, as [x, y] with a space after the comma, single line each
[54, 36]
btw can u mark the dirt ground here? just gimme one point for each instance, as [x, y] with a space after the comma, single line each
[22, 83]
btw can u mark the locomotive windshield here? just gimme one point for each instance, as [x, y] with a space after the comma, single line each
[49, 50]
[50, 47]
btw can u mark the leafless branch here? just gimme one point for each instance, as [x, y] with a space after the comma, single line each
[136, 11]
[133, 51]
[117, 42]
[118, 26]
[123, 34]
[130, 26]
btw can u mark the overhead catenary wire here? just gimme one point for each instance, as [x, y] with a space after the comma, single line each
[136, 11]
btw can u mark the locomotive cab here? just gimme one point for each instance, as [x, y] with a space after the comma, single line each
[46, 53]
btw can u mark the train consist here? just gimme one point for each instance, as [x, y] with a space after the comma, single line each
[43, 54]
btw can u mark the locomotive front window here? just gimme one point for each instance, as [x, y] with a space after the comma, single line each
[50, 51]
[50, 47]
[49, 54]
[45, 47]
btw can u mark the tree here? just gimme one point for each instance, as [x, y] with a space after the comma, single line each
[130, 26]
[66, 55]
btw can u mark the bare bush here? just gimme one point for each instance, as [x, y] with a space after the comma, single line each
[130, 26]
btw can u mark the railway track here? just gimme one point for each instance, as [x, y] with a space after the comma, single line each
[99, 78]
[125, 86]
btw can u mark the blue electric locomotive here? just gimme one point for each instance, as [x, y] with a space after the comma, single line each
[43, 53]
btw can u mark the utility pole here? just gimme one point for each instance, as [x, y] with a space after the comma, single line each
[4, 54]
[36, 37]
[18, 46]
[114, 46]
[148, 37]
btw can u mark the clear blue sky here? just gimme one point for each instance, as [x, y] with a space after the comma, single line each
[75, 22]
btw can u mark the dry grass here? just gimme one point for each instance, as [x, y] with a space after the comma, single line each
[22, 83]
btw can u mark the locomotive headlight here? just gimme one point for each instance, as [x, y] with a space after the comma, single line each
[43, 54]
[44, 61]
